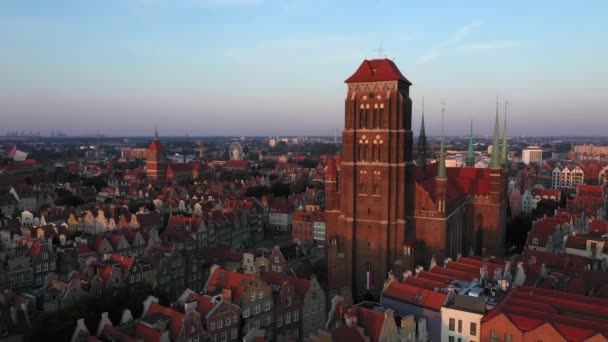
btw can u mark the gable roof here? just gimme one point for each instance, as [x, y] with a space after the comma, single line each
[236, 282]
[177, 318]
[377, 70]
[415, 295]
[371, 321]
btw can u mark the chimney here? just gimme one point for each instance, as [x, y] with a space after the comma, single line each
[520, 275]
[190, 306]
[446, 261]
[227, 295]
[105, 320]
[418, 270]
[80, 326]
[433, 263]
[348, 319]
[451, 294]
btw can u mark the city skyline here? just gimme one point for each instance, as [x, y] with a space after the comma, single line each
[255, 67]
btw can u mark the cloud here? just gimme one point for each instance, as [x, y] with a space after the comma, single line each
[455, 44]
[490, 46]
[464, 31]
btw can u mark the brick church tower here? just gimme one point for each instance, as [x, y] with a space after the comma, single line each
[156, 161]
[383, 212]
[367, 200]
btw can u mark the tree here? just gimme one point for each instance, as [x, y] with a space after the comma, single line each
[299, 186]
[545, 207]
[280, 189]
[99, 182]
[280, 148]
[257, 191]
[307, 163]
[67, 198]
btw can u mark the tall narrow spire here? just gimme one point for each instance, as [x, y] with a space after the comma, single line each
[422, 141]
[441, 174]
[495, 148]
[470, 161]
[505, 148]
[155, 133]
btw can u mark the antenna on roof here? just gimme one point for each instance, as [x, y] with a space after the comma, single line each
[380, 51]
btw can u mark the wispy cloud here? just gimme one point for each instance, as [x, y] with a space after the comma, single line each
[490, 46]
[464, 31]
[456, 43]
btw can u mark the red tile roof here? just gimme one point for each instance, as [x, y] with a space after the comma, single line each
[344, 333]
[377, 70]
[177, 318]
[236, 282]
[371, 321]
[575, 317]
[147, 333]
[155, 145]
[204, 304]
[301, 285]
[331, 168]
[544, 229]
[415, 295]
[425, 283]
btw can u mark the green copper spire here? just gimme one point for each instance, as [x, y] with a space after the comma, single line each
[441, 174]
[505, 148]
[422, 141]
[495, 148]
[470, 161]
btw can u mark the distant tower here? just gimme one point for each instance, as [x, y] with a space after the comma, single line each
[156, 161]
[441, 178]
[470, 161]
[505, 147]
[200, 144]
[495, 148]
[422, 141]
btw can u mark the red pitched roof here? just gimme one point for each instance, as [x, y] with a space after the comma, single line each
[301, 285]
[331, 168]
[371, 321]
[204, 304]
[529, 308]
[344, 333]
[177, 318]
[125, 261]
[155, 145]
[236, 282]
[147, 333]
[377, 70]
[415, 295]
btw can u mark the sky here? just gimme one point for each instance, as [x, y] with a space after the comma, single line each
[277, 67]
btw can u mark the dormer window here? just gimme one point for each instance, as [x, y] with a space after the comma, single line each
[535, 241]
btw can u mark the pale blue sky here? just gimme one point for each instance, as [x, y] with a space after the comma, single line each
[266, 67]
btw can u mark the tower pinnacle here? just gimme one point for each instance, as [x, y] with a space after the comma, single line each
[505, 148]
[155, 133]
[470, 161]
[441, 174]
[422, 141]
[495, 148]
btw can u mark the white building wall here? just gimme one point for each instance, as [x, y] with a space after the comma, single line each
[462, 319]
